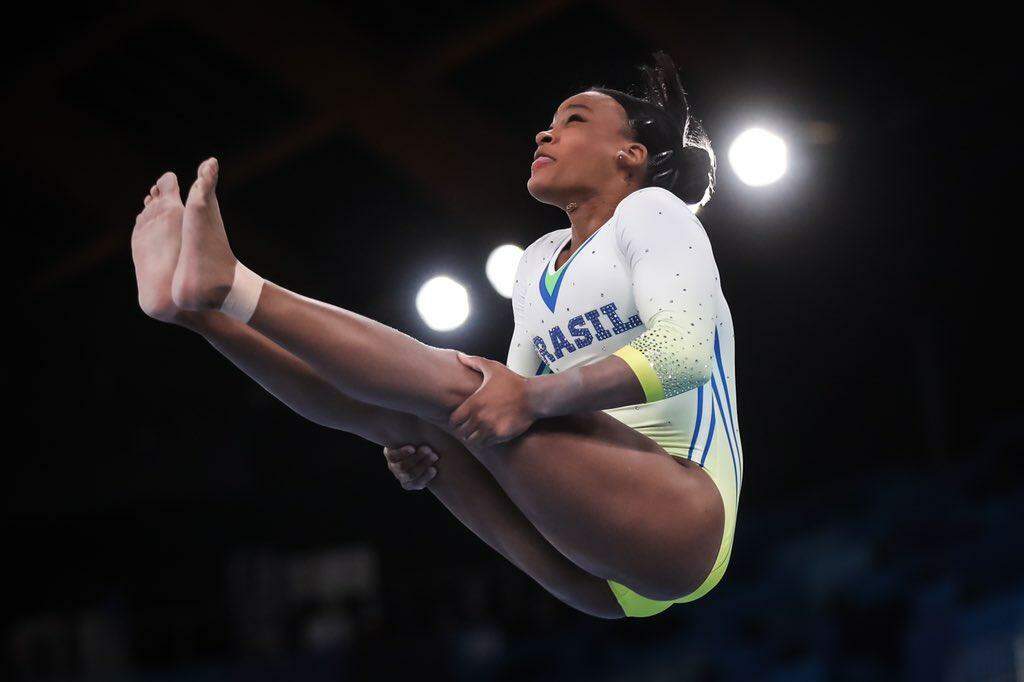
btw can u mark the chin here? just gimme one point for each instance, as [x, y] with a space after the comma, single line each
[541, 191]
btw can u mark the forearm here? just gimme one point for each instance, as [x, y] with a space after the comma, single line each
[602, 385]
[664, 361]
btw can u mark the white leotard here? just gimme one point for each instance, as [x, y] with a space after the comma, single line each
[645, 287]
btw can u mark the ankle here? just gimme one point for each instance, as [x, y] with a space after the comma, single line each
[199, 321]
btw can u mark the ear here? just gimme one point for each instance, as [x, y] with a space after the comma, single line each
[632, 157]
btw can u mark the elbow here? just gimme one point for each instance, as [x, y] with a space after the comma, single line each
[685, 374]
[669, 359]
[703, 375]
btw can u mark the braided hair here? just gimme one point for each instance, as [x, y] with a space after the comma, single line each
[680, 157]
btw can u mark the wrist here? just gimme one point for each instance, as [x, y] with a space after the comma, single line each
[552, 395]
[537, 398]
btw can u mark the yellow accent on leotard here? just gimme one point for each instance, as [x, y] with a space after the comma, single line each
[656, 421]
[644, 372]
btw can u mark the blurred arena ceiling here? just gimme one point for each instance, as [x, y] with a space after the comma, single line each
[412, 87]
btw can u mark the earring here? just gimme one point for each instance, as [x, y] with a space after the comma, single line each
[570, 207]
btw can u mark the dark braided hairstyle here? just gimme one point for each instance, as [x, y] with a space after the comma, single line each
[680, 157]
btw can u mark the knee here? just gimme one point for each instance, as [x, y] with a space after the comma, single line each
[679, 572]
[680, 566]
[692, 543]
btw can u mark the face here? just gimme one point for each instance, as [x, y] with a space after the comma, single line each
[587, 149]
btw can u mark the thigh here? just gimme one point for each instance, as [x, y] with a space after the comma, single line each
[607, 498]
[471, 494]
[614, 502]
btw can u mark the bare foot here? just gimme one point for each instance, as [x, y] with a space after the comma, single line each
[206, 264]
[156, 241]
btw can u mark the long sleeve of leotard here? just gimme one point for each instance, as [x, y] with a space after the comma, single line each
[522, 358]
[675, 285]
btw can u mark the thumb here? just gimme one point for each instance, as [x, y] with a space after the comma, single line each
[473, 362]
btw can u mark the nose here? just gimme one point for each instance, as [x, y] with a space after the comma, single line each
[542, 137]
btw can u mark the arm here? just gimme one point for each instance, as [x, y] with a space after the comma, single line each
[522, 359]
[675, 285]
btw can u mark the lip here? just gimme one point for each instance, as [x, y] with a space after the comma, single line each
[541, 161]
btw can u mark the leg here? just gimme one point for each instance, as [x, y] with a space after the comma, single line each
[606, 497]
[469, 492]
[614, 501]
[462, 485]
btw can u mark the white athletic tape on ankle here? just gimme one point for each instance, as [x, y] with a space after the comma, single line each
[244, 295]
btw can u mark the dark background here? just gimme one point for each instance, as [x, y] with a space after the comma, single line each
[166, 519]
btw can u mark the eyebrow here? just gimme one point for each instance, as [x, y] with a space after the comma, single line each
[581, 106]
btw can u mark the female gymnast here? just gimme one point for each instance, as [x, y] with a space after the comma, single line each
[604, 460]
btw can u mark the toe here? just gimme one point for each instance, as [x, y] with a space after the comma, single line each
[154, 191]
[209, 170]
[149, 198]
[167, 183]
[206, 180]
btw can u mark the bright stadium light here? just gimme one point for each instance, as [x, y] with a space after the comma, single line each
[758, 157]
[443, 303]
[501, 268]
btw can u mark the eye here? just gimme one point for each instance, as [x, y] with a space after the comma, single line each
[571, 118]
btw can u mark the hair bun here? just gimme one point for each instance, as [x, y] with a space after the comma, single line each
[681, 157]
[695, 174]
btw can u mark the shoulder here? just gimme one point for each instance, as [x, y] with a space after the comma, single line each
[542, 247]
[655, 210]
[654, 199]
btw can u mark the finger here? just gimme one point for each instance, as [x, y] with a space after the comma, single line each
[429, 476]
[467, 428]
[461, 413]
[396, 455]
[465, 411]
[414, 464]
[499, 435]
[498, 440]
[421, 466]
[477, 437]
[409, 474]
[495, 439]
[405, 471]
[421, 482]
[403, 474]
[429, 453]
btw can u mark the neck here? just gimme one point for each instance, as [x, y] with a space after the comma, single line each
[591, 213]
